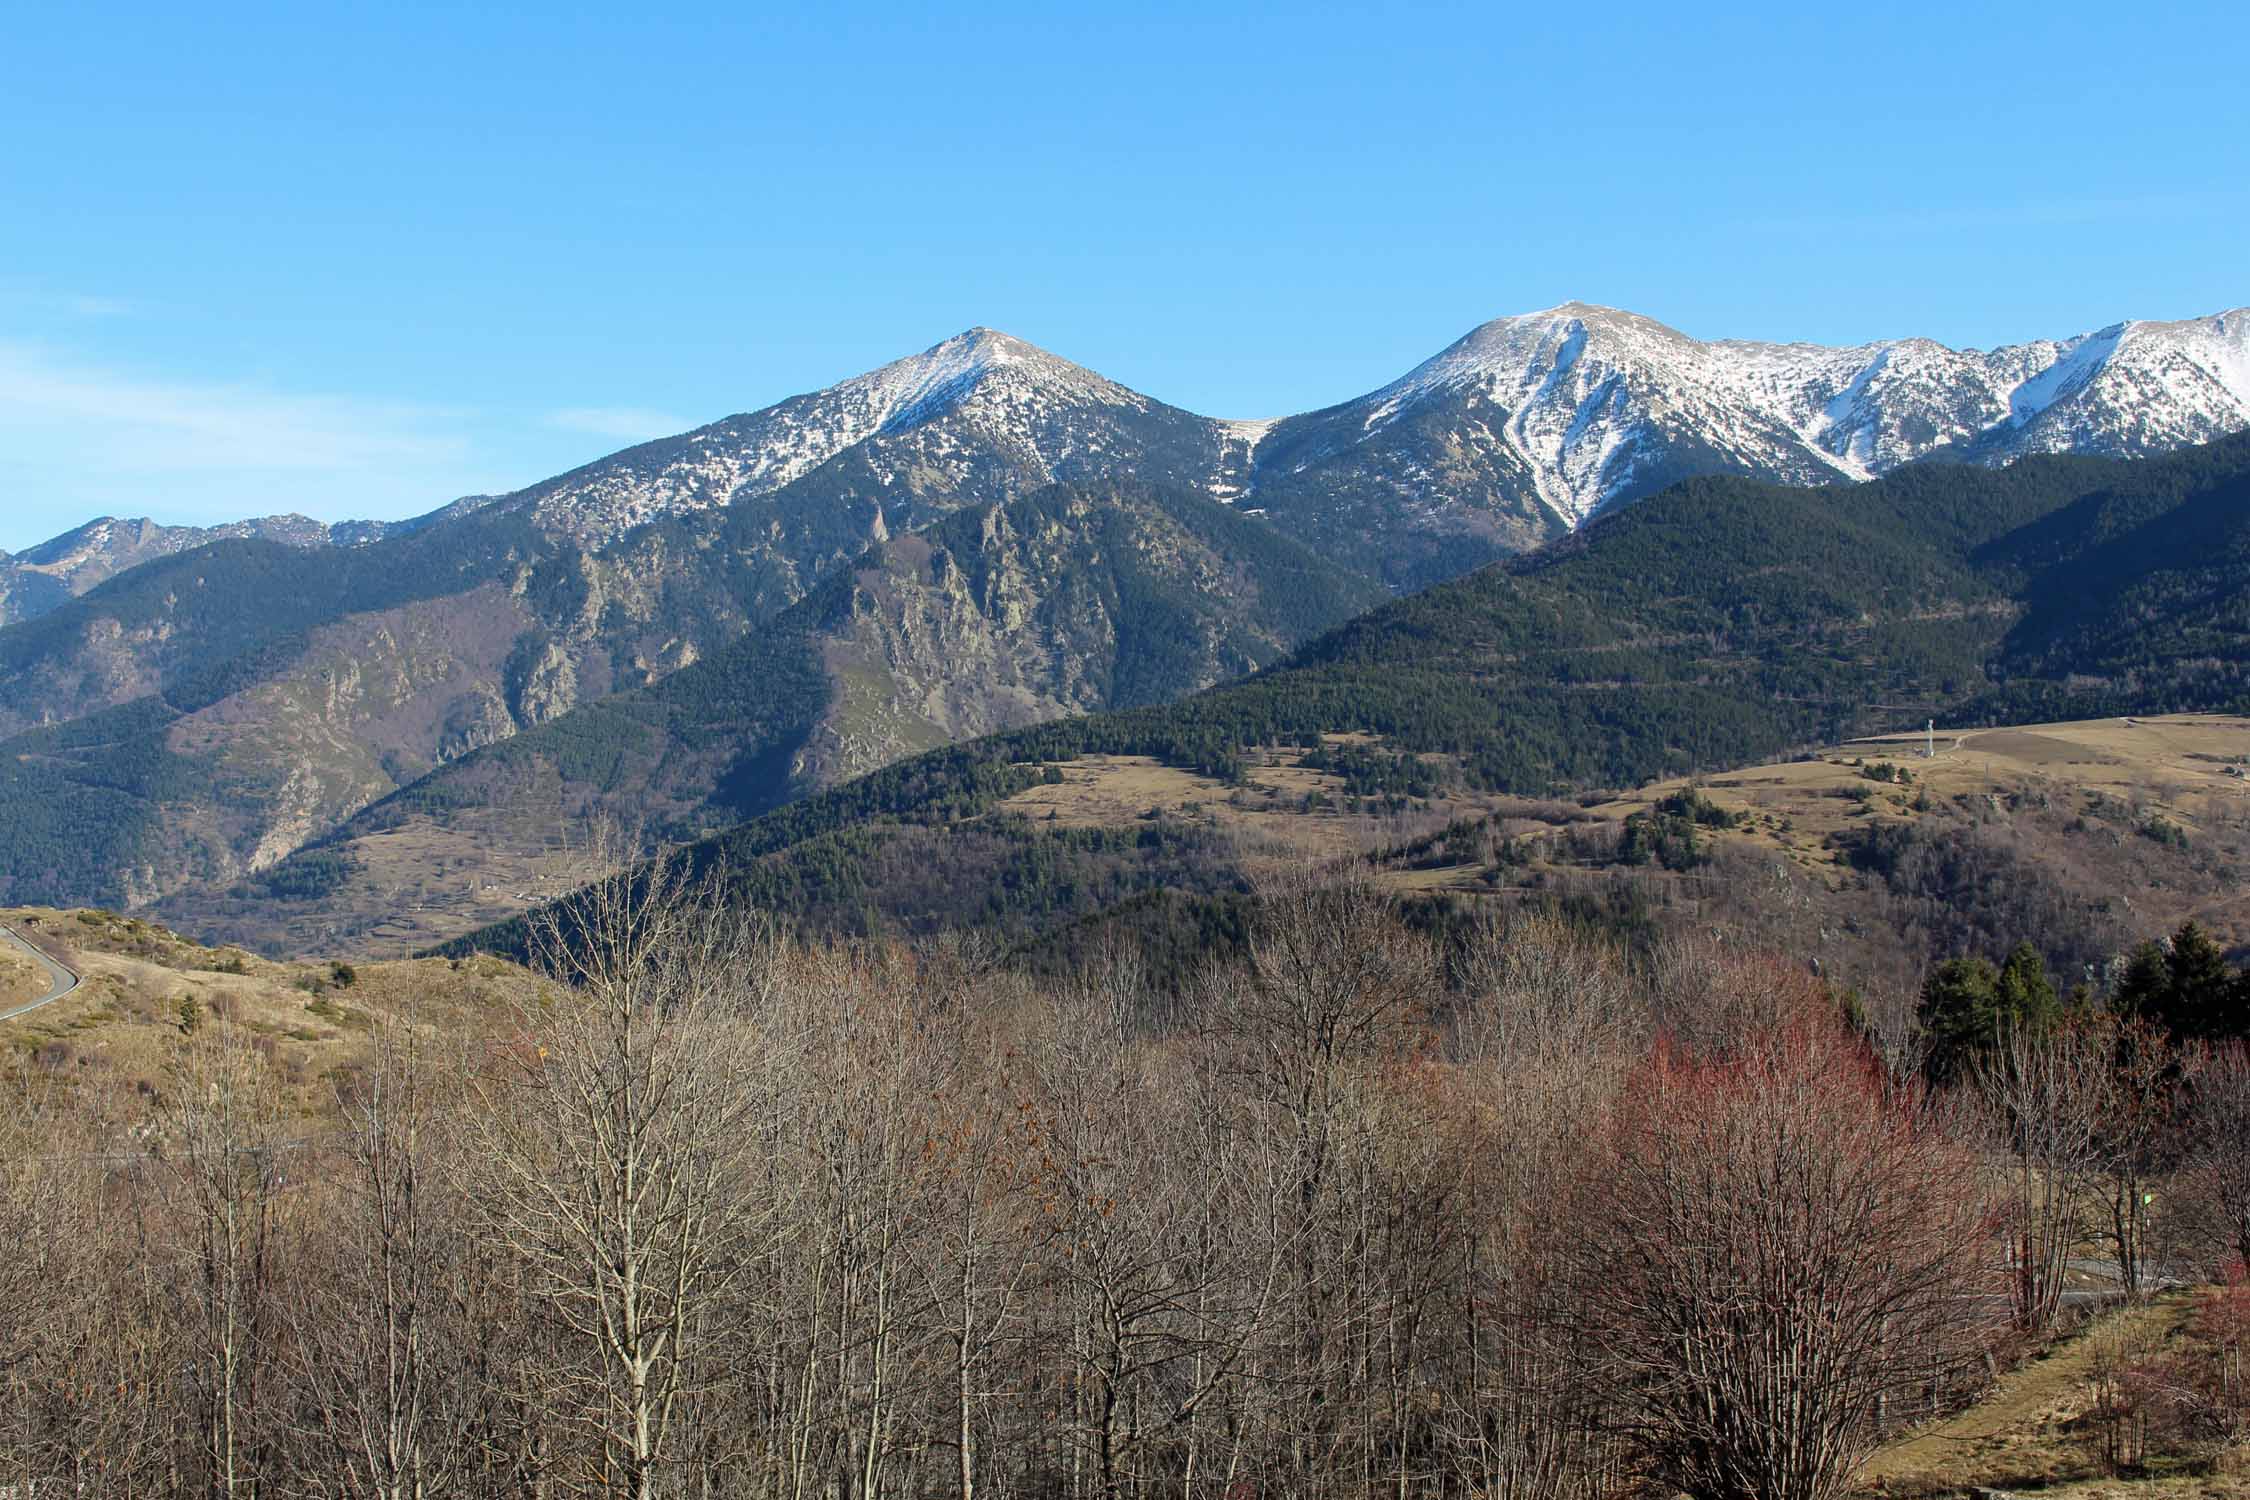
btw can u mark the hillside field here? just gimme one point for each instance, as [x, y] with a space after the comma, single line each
[145, 988]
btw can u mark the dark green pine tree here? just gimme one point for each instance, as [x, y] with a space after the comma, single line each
[2143, 991]
[1969, 1007]
[2186, 987]
[2201, 985]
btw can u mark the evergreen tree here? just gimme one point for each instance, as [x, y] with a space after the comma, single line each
[2143, 990]
[2025, 996]
[1968, 1007]
[2186, 987]
[2200, 985]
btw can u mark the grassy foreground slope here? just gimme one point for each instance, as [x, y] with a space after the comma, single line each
[2056, 1424]
[145, 988]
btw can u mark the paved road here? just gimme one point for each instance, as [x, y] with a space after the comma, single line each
[60, 981]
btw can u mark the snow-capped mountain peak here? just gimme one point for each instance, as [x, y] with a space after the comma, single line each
[1600, 405]
[2136, 387]
[956, 405]
[1525, 426]
[913, 390]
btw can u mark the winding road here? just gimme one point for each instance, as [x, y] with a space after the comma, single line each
[60, 981]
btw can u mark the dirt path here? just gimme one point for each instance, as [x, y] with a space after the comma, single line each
[2014, 1437]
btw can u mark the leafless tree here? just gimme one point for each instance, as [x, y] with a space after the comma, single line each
[43, 1195]
[2044, 1098]
[1547, 1025]
[223, 1174]
[1149, 1221]
[2222, 1153]
[382, 1341]
[2140, 1135]
[622, 1132]
[849, 1378]
[1776, 1246]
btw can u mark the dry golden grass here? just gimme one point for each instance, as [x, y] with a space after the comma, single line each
[144, 985]
[2139, 821]
[2174, 766]
[2124, 773]
[2030, 1431]
[20, 979]
[418, 885]
[434, 883]
[1269, 816]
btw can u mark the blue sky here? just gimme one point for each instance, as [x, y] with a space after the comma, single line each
[360, 261]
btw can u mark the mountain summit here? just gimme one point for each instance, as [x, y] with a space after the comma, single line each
[1530, 425]
[981, 416]
[1522, 429]
[1519, 431]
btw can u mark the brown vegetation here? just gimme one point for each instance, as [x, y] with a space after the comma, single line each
[1503, 1213]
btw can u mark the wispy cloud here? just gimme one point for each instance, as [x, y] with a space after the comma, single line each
[123, 422]
[630, 424]
[86, 306]
[40, 300]
[78, 438]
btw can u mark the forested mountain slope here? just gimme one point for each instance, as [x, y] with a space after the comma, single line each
[209, 712]
[50, 574]
[1072, 600]
[1719, 623]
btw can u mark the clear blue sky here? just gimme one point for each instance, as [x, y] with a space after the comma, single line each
[357, 262]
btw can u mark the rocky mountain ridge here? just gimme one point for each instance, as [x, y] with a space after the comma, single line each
[41, 577]
[1068, 601]
[1518, 432]
[1529, 426]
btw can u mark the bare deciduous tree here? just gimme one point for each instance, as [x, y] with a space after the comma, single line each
[622, 1135]
[220, 1139]
[2044, 1098]
[2222, 1154]
[1777, 1244]
[381, 1338]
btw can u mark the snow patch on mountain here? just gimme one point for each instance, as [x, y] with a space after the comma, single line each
[1547, 417]
[1001, 389]
[1238, 457]
[1599, 402]
[2080, 360]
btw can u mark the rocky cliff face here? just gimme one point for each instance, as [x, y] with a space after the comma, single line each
[1029, 616]
[1069, 601]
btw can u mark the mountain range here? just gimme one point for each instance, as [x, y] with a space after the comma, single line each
[1518, 432]
[58, 570]
[185, 709]
[1722, 623]
[1515, 434]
